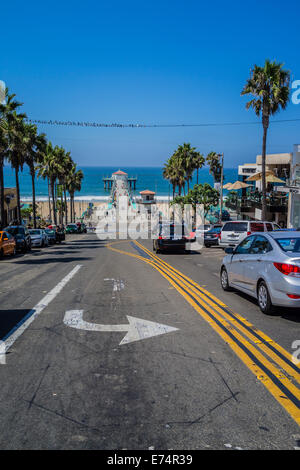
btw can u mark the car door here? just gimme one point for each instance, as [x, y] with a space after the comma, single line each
[10, 243]
[254, 265]
[6, 243]
[236, 271]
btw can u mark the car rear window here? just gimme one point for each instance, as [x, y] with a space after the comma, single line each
[289, 244]
[34, 232]
[172, 229]
[257, 227]
[235, 227]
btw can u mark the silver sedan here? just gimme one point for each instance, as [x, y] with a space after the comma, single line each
[267, 267]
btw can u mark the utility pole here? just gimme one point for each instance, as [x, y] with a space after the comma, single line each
[221, 189]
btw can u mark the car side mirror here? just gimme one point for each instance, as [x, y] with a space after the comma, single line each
[229, 250]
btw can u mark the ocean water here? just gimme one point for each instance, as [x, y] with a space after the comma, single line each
[92, 184]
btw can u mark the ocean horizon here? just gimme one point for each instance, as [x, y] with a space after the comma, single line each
[92, 184]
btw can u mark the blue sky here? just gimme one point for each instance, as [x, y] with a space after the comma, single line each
[165, 62]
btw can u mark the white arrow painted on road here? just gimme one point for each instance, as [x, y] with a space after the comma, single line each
[137, 328]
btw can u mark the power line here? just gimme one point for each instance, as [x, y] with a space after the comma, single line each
[119, 125]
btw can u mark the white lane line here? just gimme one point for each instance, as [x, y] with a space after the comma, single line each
[14, 334]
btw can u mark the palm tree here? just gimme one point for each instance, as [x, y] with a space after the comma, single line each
[186, 156]
[198, 163]
[269, 86]
[74, 181]
[44, 171]
[16, 152]
[213, 160]
[36, 148]
[6, 117]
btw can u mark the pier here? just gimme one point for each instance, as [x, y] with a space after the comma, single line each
[108, 181]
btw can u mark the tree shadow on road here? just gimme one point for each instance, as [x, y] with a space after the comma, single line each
[9, 319]
[70, 259]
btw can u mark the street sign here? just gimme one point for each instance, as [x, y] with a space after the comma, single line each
[136, 329]
[2, 91]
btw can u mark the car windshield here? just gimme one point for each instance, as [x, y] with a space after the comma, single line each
[49, 231]
[235, 227]
[289, 244]
[35, 232]
[215, 230]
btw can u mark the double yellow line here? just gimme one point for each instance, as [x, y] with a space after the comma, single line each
[270, 363]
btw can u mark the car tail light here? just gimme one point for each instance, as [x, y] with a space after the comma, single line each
[288, 269]
[293, 296]
[248, 233]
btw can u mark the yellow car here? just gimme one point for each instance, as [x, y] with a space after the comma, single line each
[7, 244]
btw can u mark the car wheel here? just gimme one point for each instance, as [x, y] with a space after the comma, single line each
[1, 253]
[264, 299]
[224, 280]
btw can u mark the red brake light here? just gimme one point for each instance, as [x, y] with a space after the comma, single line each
[288, 269]
[248, 233]
[293, 296]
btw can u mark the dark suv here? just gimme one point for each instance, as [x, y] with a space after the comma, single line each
[21, 235]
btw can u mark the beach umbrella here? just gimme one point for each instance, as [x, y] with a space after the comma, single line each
[258, 176]
[227, 186]
[238, 185]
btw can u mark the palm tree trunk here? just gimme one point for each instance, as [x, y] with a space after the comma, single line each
[66, 207]
[33, 196]
[49, 200]
[2, 210]
[73, 209]
[18, 196]
[263, 164]
[53, 202]
[197, 175]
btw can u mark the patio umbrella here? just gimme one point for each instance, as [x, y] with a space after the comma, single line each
[227, 186]
[238, 185]
[273, 179]
[258, 176]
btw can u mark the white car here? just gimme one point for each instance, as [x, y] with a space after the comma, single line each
[234, 232]
[38, 237]
[267, 267]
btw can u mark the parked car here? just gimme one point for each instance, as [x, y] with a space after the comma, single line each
[51, 235]
[60, 234]
[198, 232]
[38, 237]
[81, 227]
[7, 244]
[170, 236]
[234, 232]
[21, 235]
[267, 267]
[211, 237]
[72, 228]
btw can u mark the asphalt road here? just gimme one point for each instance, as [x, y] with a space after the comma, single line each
[67, 387]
